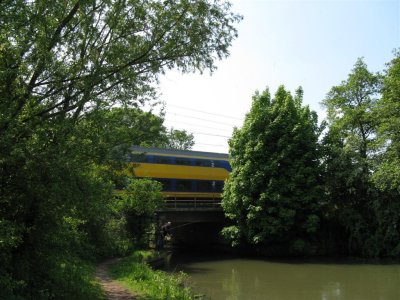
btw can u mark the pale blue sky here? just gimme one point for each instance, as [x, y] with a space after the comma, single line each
[313, 44]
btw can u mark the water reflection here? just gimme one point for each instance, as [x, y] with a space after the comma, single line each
[237, 279]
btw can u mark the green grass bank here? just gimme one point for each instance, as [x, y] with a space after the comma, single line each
[135, 274]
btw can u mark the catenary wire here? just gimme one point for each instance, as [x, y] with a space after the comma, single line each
[204, 112]
[210, 134]
[213, 145]
[196, 125]
[201, 119]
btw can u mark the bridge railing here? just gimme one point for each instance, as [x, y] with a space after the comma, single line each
[195, 203]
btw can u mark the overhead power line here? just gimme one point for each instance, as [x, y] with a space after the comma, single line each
[210, 134]
[204, 112]
[214, 145]
[197, 125]
[201, 119]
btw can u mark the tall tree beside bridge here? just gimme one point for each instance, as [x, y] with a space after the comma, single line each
[349, 156]
[273, 192]
[387, 174]
[60, 61]
[387, 177]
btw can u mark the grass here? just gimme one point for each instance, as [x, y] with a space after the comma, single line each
[74, 279]
[134, 273]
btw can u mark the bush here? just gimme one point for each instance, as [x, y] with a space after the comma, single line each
[139, 203]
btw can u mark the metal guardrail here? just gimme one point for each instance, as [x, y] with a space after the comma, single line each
[193, 203]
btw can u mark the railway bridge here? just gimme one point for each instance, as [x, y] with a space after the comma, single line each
[192, 184]
[192, 210]
[194, 221]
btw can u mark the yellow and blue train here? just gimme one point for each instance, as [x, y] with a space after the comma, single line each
[183, 173]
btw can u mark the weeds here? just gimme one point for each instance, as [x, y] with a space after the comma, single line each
[135, 274]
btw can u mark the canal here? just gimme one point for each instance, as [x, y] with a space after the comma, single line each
[228, 277]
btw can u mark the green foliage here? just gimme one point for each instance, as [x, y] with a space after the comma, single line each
[386, 176]
[351, 112]
[179, 139]
[113, 131]
[70, 278]
[139, 203]
[63, 65]
[361, 162]
[348, 148]
[150, 284]
[78, 56]
[57, 207]
[142, 197]
[273, 193]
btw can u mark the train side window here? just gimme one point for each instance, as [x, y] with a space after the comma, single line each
[183, 161]
[219, 186]
[224, 164]
[184, 185]
[137, 157]
[166, 184]
[203, 163]
[148, 159]
[204, 186]
[162, 160]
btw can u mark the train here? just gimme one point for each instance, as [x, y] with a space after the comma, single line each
[184, 174]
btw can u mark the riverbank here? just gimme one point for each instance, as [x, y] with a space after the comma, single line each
[134, 273]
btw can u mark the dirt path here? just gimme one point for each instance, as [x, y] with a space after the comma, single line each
[112, 289]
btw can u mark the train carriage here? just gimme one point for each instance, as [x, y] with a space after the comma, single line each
[184, 174]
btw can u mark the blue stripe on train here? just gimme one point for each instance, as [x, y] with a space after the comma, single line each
[195, 186]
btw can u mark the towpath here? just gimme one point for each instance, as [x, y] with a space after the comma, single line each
[112, 289]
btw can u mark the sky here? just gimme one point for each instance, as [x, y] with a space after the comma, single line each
[313, 44]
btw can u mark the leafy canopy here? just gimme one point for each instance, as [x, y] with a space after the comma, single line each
[70, 57]
[179, 139]
[272, 193]
[387, 176]
[349, 152]
[63, 64]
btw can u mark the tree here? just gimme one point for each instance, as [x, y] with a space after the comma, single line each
[65, 59]
[349, 147]
[139, 202]
[62, 65]
[179, 139]
[386, 176]
[350, 108]
[121, 128]
[273, 193]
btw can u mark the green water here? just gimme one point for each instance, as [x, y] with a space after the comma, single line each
[234, 279]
